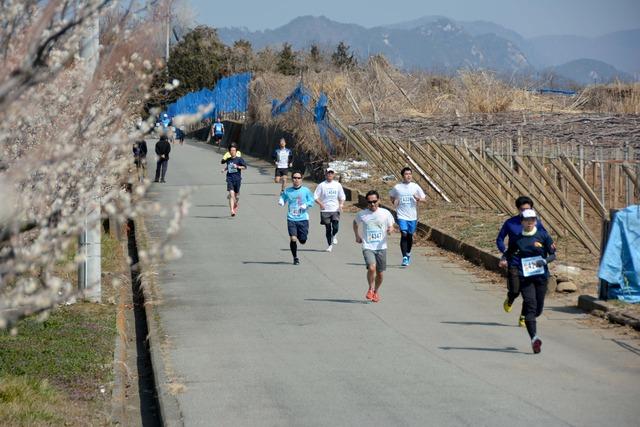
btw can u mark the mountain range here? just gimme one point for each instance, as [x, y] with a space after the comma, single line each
[440, 44]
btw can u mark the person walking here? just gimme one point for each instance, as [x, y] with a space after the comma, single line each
[405, 197]
[217, 132]
[376, 223]
[530, 252]
[283, 158]
[329, 195]
[140, 159]
[163, 148]
[234, 165]
[299, 200]
[511, 229]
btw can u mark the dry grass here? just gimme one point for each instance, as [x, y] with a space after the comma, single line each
[619, 98]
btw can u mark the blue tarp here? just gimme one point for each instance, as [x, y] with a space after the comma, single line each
[303, 96]
[230, 95]
[620, 264]
[557, 91]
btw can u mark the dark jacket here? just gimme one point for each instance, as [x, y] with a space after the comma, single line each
[521, 246]
[163, 147]
[140, 149]
[512, 228]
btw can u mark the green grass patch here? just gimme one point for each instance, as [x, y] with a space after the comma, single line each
[25, 401]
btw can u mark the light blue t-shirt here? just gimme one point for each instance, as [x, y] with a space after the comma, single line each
[299, 201]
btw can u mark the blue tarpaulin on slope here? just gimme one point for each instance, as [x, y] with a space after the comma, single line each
[557, 91]
[231, 94]
[620, 264]
[303, 96]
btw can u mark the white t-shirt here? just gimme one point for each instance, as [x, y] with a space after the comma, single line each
[407, 204]
[374, 228]
[330, 194]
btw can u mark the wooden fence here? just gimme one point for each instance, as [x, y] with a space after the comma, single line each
[573, 186]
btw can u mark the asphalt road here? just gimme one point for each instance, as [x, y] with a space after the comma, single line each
[259, 342]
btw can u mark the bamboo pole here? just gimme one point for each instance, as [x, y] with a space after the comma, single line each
[580, 185]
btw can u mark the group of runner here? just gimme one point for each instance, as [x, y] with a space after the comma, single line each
[526, 257]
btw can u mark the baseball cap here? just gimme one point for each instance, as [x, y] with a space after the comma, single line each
[331, 170]
[528, 213]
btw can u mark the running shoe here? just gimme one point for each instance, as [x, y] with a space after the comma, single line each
[506, 305]
[369, 295]
[408, 259]
[296, 261]
[329, 249]
[521, 322]
[375, 297]
[536, 345]
[405, 261]
[335, 240]
[233, 213]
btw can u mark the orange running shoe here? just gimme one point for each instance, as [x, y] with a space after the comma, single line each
[376, 297]
[369, 294]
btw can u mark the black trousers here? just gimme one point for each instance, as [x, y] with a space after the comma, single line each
[533, 290]
[161, 166]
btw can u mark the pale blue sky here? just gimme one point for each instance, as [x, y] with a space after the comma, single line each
[529, 18]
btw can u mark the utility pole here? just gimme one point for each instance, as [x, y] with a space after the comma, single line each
[90, 270]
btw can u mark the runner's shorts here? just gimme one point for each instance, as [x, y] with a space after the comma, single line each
[233, 184]
[407, 226]
[282, 171]
[379, 258]
[299, 229]
[327, 217]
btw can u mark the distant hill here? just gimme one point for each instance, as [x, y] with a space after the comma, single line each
[620, 49]
[440, 44]
[588, 71]
[434, 43]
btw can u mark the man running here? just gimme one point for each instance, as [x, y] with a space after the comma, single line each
[330, 197]
[376, 223]
[512, 229]
[283, 158]
[405, 197]
[234, 164]
[217, 132]
[299, 200]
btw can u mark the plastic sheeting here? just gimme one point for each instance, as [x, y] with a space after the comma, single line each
[302, 95]
[231, 94]
[620, 264]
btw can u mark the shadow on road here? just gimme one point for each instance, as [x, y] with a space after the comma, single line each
[266, 262]
[500, 350]
[264, 194]
[629, 347]
[343, 301]
[477, 323]
[570, 310]
[211, 206]
[304, 250]
[212, 217]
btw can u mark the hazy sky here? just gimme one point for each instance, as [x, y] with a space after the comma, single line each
[528, 17]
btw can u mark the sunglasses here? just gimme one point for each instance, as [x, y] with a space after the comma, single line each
[372, 202]
[296, 177]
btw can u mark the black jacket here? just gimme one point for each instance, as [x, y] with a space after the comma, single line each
[140, 149]
[163, 147]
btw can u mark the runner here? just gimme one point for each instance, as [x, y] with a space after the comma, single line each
[376, 223]
[330, 197]
[283, 158]
[530, 252]
[512, 228]
[300, 200]
[217, 132]
[405, 197]
[234, 164]
[228, 154]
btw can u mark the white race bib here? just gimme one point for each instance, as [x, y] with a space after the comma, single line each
[232, 168]
[530, 267]
[375, 235]
[406, 200]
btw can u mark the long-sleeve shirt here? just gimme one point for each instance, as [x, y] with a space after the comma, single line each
[512, 228]
[299, 201]
[163, 148]
[283, 157]
[522, 247]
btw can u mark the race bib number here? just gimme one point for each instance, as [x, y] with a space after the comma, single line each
[332, 193]
[406, 200]
[232, 168]
[283, 156]
[375, 235]
[530, 266]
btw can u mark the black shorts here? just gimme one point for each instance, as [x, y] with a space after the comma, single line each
[217, 138]
[282, 172]
[327, 217]
[299, 229]
[233, 184]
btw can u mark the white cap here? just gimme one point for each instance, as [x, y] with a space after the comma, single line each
[330, 169]
[528, 213]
